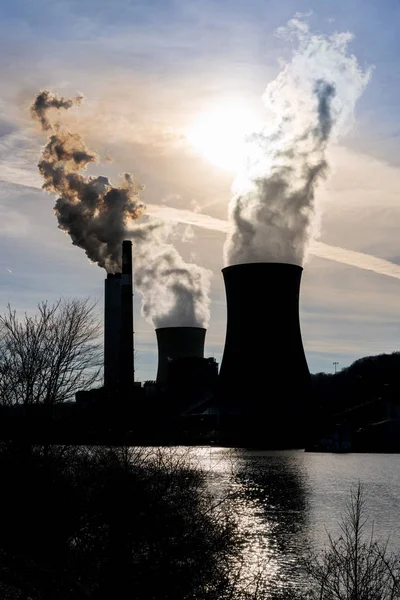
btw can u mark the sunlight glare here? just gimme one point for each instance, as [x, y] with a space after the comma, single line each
[219, 135]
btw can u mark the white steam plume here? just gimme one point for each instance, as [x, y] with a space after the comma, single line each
[174, 293]
[273, 214]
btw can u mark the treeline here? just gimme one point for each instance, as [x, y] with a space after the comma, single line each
[366, 387]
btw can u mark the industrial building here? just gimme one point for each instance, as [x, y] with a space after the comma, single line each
[177, 342]
[258, 397]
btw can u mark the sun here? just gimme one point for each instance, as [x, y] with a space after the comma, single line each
[219, 134]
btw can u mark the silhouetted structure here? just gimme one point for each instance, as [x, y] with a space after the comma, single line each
[191, 380]
[177, 342]
[264, 369]
[118, 326]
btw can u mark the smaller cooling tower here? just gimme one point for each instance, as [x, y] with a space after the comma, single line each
[178, 342]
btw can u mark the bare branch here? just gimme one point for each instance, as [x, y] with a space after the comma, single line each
[355, 566]
[48, 357]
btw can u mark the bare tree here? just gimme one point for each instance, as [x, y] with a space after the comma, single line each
[46, 358]
[355, 566]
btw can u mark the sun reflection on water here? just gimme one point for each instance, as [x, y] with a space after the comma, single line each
[268, 503]
[284, 502]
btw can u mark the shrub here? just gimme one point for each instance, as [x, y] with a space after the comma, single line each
[354, 566]
[99, 523]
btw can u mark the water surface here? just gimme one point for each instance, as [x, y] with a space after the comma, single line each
[286, 501]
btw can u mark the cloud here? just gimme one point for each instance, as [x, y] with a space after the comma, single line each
[13, 223]
[19, 153]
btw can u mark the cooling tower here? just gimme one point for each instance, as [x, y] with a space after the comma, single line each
[118, 326]
[264, 371]
[177, 342]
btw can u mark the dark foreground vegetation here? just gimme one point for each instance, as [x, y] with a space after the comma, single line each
[100, 523]
[103, 523]
[354, 565]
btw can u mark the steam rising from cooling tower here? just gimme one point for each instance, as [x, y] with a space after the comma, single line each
[99, 216]
[310, 103]
[175, 294]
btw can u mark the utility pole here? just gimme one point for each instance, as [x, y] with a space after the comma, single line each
[335, 364]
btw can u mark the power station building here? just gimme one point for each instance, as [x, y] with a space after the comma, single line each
[177, 343]
[263, 380]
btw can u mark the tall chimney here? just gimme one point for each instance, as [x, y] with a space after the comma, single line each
[178, 342]
[112, 330]
[127, 351]
[118, 326]
[264, 370]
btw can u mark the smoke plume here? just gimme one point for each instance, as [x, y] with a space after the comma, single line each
[46, 100]
[273, 214]
[99, 216]
[175, 293]
[90, 209]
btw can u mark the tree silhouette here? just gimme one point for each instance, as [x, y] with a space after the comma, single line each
[48, 357]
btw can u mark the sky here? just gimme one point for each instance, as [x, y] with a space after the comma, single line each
[156, 73]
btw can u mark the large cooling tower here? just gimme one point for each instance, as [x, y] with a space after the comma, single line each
[118, 326]
[264, 370]
[178, 342]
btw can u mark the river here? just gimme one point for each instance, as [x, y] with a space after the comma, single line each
[287, 501]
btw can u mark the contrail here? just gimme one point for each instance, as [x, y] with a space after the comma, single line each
[359, 260]
[344, 256]
[356, 259]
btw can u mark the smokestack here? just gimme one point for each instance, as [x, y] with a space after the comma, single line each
[112, 329]
[178, 342]
[118, 326]
[127, 317]
[264, 370]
